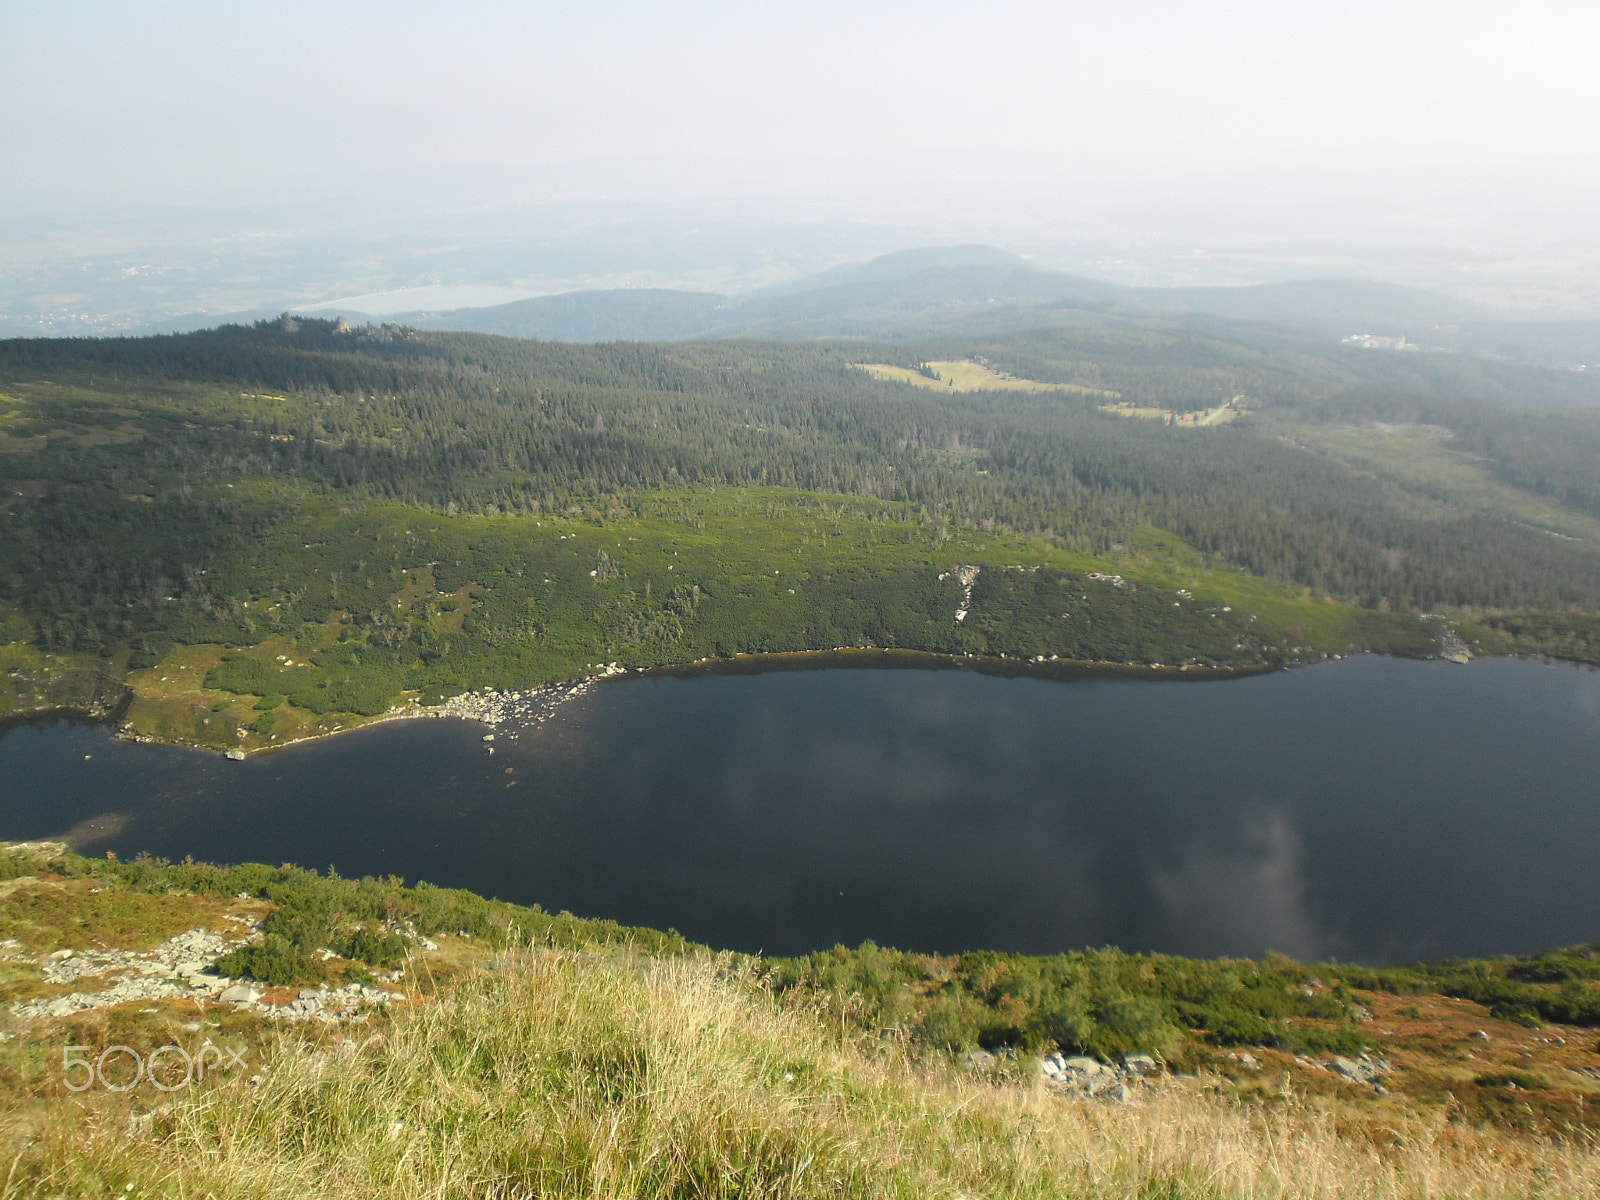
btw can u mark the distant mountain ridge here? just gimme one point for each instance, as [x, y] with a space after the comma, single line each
[966, 289]
[899, 264]
[624, 314]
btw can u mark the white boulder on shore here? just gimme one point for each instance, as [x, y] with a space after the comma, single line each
[498, 708]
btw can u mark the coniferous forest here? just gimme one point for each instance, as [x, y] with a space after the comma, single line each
[271, 531]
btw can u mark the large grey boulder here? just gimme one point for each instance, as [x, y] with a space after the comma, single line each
[1365, 1070]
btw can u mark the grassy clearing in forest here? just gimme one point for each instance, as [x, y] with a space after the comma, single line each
[968, 376]
[1198, 419]
[1443, 480]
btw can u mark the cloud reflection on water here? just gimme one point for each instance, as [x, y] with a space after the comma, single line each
[1251, 894]
[1365, 808]
[1587, 697]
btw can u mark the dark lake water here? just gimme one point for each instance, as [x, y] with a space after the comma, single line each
[1370, 809]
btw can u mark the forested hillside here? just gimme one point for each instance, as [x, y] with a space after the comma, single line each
[403, 512]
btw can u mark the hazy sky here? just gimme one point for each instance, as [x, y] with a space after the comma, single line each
[169, 157]
[177, 103]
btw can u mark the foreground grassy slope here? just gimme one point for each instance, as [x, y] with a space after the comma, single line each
[543, 1055]
[560, 1075]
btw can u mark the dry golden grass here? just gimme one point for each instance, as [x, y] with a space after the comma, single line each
[34, 681]
[171, 703]
[576, 1075]
[1199, 418]
[48, 914]
[972, 377]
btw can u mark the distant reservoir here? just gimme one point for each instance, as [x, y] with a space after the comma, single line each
[1370, 809]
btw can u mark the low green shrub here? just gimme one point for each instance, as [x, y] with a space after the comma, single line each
[1528, 1081]
[372, 946]
[274, 961]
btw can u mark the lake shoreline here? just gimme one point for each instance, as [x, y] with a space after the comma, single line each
[481, 704]
[485, 705]
[894, 658]
[794, 809]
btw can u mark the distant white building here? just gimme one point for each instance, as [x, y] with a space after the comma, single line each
[1370, 341]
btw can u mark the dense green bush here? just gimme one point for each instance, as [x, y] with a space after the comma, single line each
[1528, 1081]
[249, 676]
[310, 908]
[1559, 987]
[1100, 1002]
[274, 961]
[1562, 966]
[371, 945]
